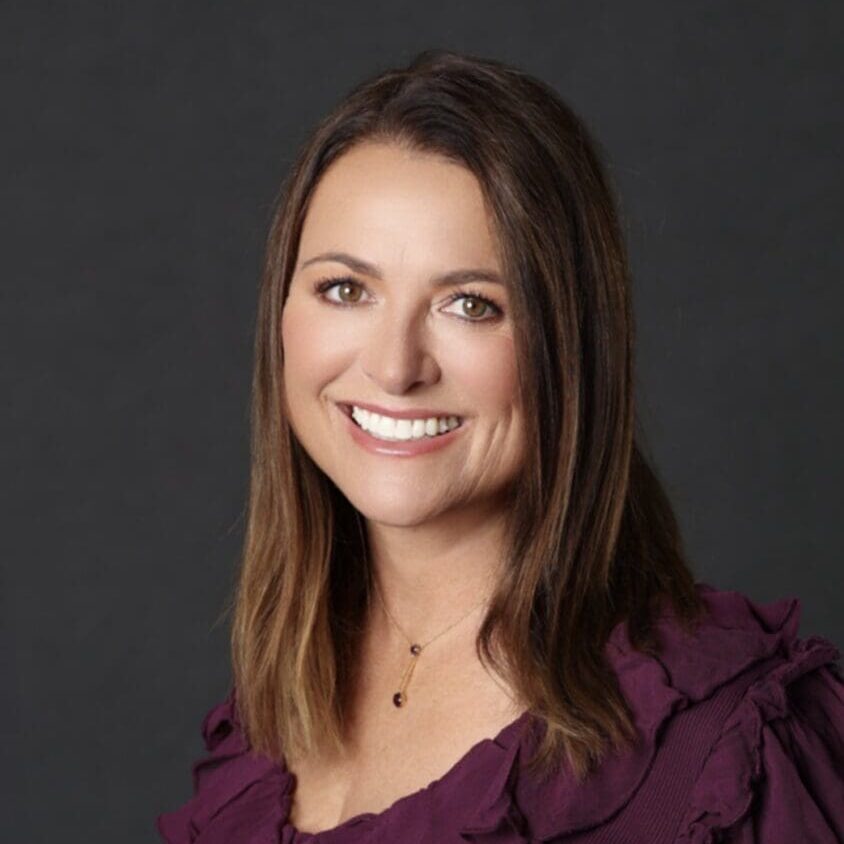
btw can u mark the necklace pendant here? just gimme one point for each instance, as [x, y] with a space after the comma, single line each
[400, 698]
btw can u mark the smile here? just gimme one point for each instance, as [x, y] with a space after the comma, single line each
[403, 434]
[385, 427]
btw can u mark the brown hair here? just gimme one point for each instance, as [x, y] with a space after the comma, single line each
[592, 538]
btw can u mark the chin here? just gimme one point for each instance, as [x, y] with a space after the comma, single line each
[391, 513]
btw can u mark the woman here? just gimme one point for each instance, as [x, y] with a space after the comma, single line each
[464, 613]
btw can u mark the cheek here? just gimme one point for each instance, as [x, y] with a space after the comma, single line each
[487, 373]
[311, 352]
[303, 363]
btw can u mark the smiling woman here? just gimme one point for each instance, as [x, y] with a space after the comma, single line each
[463, 612]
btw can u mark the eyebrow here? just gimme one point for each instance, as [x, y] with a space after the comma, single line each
[358, 265]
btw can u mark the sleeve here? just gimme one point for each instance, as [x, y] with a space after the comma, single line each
[238, 797]
[177, 826]
[775, 775]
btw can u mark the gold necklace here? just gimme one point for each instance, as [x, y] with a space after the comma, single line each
[400, 697]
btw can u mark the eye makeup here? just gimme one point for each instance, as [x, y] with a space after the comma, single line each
[323, 285]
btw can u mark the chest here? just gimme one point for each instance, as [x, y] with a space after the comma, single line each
[395, 752]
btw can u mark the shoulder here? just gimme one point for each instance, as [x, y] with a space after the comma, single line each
[740, 737]
[775, 771]
[238, 796]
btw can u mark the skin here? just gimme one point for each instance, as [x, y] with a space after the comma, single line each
[434, 521]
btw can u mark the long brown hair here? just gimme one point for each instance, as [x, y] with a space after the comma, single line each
[592, 537]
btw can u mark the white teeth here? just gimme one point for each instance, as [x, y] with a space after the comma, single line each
[388, 428]
[384, 426]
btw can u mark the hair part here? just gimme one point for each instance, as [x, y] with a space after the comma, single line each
[592, 539]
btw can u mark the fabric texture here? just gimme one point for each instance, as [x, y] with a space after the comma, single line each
[741, 732]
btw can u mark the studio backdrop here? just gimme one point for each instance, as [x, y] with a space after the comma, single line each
[143, 145]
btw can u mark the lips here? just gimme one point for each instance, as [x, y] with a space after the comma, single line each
[396, 448]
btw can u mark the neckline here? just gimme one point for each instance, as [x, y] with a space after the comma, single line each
[503, 738]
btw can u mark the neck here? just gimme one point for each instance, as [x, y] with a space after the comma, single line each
[430, 576]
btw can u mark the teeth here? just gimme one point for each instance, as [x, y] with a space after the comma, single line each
[388, 428]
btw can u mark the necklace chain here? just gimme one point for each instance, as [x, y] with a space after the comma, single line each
[400, 697]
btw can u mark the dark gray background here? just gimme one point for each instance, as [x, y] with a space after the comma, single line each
[142, 146]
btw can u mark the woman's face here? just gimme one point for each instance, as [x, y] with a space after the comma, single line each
[370, 327]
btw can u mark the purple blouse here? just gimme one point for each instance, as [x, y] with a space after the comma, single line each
[741, 740]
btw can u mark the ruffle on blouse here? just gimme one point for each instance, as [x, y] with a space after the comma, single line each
[775, 748]
[776, 772]
[776, 765]
[237, 795]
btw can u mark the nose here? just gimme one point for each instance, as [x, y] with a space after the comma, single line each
[396, 353]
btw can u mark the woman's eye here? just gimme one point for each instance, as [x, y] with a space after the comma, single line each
[348, 291]
[475, 308]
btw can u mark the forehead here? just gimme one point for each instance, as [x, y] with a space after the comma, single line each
[400, 208]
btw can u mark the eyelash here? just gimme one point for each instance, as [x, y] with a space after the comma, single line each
[325, 284]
